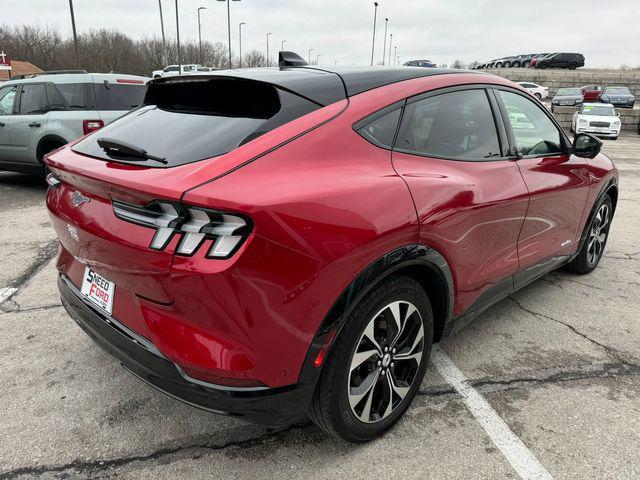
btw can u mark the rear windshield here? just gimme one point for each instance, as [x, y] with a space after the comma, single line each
[186, 121]
[617, 90]
[117, 96]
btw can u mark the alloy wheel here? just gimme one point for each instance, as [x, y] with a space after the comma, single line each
[598, 234]
[386, 361]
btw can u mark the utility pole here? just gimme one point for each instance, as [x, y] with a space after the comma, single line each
[310, 50]
[384, 45]
[375, 17]
[164, 40]
[396, 55]
[75, 33]
[200, 35]
[268, 35]
[318, 58]
[390, 42]
[282, 45]
[178, 39]
[240, 41]
[229, 26]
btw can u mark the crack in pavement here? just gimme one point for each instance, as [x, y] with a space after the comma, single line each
[43, 255]
[9, 308]
[612, 352]
[96, 466]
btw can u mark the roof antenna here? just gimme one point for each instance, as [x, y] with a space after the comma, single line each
[291, 59]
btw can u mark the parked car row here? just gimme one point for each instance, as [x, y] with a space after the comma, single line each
[537, 60]
[42, 113]
[618, 96]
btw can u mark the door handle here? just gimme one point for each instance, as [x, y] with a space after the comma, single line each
[34, 124]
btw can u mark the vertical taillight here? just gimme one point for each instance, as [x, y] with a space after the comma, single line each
[89, 126]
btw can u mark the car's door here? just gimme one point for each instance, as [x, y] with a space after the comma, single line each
[558, 184]
[29, 122]
[470, 199]
[7, 100]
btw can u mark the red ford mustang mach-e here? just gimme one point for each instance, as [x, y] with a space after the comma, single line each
[277, 243]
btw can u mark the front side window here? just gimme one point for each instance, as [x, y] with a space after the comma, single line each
[533, 130]
[382, 130]
[33, 99]
[7, 97]
[456, 125]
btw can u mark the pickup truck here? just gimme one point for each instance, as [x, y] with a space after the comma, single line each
[173, 70]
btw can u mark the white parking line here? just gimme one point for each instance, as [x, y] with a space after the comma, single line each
[6, 292]
[517, 454]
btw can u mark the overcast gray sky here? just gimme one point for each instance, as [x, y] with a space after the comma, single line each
[607, 32]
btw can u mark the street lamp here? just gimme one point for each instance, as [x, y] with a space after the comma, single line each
[178, 40]
[318, 58]
[310, 50]
[268, 35]
[390, 42]
[282, 45]
[396, 54]
[375, 17]
[228, 25]
[200, 34]
[75, 34]
[240, 41]
[164, 42]
[384, 45]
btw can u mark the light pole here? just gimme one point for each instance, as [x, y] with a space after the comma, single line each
[396, 55]
[178, 39]
[229, 25]
[390, 42]
[384, 45]
[164, 41]
[240, 41]
[268, 35]
[318, 58]
[200, 35]
[375, 17]
[75, 34]
[282, 45]
[310, 50]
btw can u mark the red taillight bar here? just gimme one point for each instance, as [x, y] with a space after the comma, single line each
[89, 126]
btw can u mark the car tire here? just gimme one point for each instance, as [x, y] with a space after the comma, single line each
[337, 406]
[507, 64]
[595, 240]
[538, 96]
[516, 65]
[573, 66]
[526, 64]
[498, 65]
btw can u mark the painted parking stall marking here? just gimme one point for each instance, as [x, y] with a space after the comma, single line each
[515, 451]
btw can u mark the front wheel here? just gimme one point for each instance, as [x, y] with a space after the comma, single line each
[538, 96]
[598, 233]
[377, 363]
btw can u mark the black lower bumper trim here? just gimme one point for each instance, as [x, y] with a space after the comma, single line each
[272, 407]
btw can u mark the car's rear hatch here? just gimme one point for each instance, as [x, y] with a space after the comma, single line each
[191, 130]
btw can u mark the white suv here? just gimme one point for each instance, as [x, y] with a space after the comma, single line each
[173, 70]
[42, 113]
[600, 119]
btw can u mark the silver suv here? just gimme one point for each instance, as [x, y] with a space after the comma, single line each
[40, 114]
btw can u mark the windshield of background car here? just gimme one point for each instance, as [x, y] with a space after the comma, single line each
[617, 90]
[568, 92]
[598, 110]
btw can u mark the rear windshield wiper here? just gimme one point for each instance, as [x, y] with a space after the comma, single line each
[119, 148]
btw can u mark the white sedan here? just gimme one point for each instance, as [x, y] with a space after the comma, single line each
[600, 119]
[536, 90]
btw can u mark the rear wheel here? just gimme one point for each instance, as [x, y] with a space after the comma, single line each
[516, 64]
[598, 233]
[573, 66]
[507, 64]
[377, 363]
[526, 64]
[538, 96]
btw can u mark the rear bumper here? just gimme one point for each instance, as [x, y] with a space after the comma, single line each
[272, 407]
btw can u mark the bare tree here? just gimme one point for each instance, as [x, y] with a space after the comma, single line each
[255, 58]
[458, 64]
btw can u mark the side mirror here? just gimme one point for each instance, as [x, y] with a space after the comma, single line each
[586, 145]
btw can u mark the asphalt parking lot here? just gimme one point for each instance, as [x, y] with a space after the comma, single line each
[559, 362]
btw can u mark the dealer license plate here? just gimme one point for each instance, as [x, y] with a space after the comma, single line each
[98, 290]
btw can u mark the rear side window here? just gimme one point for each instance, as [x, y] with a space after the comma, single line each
[115, 96]
[458, 125]
[190, 120]
[381, 131]
[533, 130]
[7, 97]
[33, 99]
[75, 96]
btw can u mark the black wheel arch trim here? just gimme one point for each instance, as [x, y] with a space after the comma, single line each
[419, 256]
[612, 183]
[50, 137]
